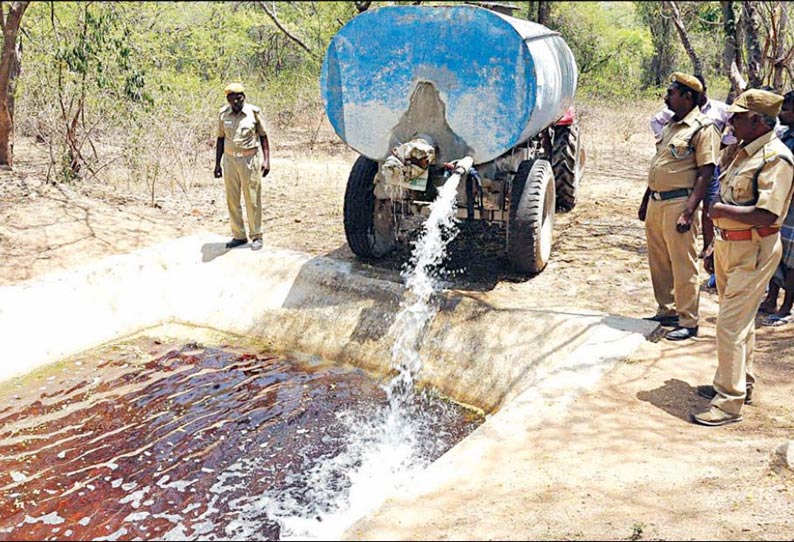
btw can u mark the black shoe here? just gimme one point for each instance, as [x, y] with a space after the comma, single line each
[709, 393]
[236, 242]
[256, 244]
[682, 334]
[666, 321]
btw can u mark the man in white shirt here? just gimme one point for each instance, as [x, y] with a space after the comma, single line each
[716, 110]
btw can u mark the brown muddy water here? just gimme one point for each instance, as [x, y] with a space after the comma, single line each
[149, 440]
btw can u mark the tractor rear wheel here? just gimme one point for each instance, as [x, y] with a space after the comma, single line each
[567, 160]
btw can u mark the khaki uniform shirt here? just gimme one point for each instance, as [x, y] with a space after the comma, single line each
[241, 130]
[679, 154]
[774, 180]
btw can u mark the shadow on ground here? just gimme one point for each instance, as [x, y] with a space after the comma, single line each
[675, 397]
[476, 258]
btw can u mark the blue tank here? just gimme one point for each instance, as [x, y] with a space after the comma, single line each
[476, 82]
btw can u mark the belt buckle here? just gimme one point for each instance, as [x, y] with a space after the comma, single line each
[719, 232]
[656, 195]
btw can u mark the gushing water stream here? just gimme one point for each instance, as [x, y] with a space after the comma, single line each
[421, 281]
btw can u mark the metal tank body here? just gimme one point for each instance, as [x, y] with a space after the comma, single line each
[477, 82]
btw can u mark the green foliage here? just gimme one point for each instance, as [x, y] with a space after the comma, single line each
[608, 42]
[86, 78]
[148, 76]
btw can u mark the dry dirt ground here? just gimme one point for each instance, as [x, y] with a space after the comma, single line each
[624, 463]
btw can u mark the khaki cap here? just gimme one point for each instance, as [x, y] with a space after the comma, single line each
[689, 80]
[757, 101]
[236, 88]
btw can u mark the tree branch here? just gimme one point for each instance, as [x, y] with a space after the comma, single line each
[679, 25]
[274, 18]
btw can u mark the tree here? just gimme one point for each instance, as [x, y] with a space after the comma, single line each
[544, 12]
[10, 21]
[697, 65]
[731, 55]
[661, 30]
[754, 57]
[781, 58]
[96, 79]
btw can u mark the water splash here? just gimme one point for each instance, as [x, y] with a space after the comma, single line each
[422, 282]
[381, 452]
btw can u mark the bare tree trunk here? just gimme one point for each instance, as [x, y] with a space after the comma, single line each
[731, 50]
[697, 65]
[780, 49]
[530, 10]
[9, 69]
[754, 59]
[544, 12]
[661, 66]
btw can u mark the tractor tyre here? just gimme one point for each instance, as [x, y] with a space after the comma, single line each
[370, 223]
[567, 160]
[529, 230]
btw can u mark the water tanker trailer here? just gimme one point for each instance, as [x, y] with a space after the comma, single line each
[414, 89]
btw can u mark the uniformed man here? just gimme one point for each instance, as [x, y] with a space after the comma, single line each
[677, 181]
[241, 131]
[755, 193]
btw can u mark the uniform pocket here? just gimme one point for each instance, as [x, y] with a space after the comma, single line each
[246, 128]
[680, 149]
[742, 190]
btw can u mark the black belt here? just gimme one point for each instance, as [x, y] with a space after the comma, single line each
[670, 194]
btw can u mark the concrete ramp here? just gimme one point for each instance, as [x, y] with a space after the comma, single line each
[477, 353]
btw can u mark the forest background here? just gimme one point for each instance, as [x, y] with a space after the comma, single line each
[128, 91]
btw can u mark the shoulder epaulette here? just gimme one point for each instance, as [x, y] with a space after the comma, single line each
[706, 121]
[770, 153]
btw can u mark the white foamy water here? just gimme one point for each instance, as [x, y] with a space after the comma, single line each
[380, 453]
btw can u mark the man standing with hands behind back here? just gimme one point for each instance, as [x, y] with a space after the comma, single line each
[237, 151]
[755, 194]
[677, 181]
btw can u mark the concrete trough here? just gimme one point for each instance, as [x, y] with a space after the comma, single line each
[518, 364]
[474, 352]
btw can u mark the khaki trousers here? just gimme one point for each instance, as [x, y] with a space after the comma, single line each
[244, 175]
[672, 258]
[743, 270]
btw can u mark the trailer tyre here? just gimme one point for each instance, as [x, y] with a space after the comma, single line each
[370, 223]
[567, 161]
[529, 230]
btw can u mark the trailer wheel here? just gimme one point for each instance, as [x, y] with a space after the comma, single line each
[567, 161]
[370, 223]
[529, 231]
